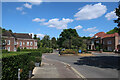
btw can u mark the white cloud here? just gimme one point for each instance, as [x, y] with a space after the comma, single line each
[59, 24]
[93, 29]
[23, 13]
[91, 35]
[27, 5]
[78, 27]
[39, 20]
[19, 8]
[90, 12]
[111, 15]
[33, 2]
[40, 35]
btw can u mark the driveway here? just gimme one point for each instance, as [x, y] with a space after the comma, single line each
[98, 66]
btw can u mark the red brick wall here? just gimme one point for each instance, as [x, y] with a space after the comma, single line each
[11, 43]
[106, 45]
[25, 45]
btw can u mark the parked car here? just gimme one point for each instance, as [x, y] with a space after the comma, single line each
[117, 51]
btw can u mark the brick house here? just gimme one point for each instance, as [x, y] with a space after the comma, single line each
[108, 42]
[14, 40]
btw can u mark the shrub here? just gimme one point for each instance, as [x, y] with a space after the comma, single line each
[11, 64]
[4, 51]
[69, 51]
[38, 59]
[18, 49]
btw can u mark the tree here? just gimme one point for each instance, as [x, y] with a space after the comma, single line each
[10, 30]
[46, 41]
[115, 30]
[117, 11]
[66, 34]
[54, 43]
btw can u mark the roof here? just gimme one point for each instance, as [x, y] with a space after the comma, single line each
[17, 35]
[7, 33]
[111, 35]
[104, 35]
[22, 35]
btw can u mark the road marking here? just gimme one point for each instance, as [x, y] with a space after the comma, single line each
[78, 74]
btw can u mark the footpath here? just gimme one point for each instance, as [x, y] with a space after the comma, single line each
[53, 69]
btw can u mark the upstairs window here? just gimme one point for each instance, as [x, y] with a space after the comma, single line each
[109, 42]
[20, 43]
[8, 42]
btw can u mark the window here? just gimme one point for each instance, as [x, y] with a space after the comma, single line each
[27, 43]
[109, 48]
[8, 42]
[30, 47]
[8, 48]
[119, 42]
[20, 43]
[103, 42]
[23, 43]
[97, 41]
[14, 48]
[35, 43]
[31, 43]
[109, 42]
[27, 47]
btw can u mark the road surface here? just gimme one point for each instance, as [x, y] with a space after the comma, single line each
[99, 66]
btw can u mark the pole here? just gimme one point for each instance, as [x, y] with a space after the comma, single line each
[18, 74]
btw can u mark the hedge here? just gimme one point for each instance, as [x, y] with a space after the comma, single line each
[43, 50]
[11, 64]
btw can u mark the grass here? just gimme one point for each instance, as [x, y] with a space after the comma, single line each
[13, 54]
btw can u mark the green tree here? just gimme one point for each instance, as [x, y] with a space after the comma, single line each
[66, 34]
[46, 41]
[117, 11]
[10, 30]
[113, 31]
[54, 43]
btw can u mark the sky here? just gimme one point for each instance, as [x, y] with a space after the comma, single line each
[50, 18]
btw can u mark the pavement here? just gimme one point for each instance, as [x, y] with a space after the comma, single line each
[54, 69]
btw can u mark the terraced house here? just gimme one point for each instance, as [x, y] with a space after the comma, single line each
[14, 40]
[108, 42]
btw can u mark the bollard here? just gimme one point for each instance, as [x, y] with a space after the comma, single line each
[18, 74]
[30, 74]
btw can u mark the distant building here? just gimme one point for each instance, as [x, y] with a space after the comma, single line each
[108, 42]
[14, 40]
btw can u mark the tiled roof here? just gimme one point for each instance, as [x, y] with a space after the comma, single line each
[111, 35]
[8, 34]
[22, 35]
[104, 35]
[16, 35]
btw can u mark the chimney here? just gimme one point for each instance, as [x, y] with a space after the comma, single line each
[30, 35]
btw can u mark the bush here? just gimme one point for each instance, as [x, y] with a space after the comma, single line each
[69, 51]
[18, 49]
[4, 51]
[38, 59]
[11, 64]
[43, 50]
